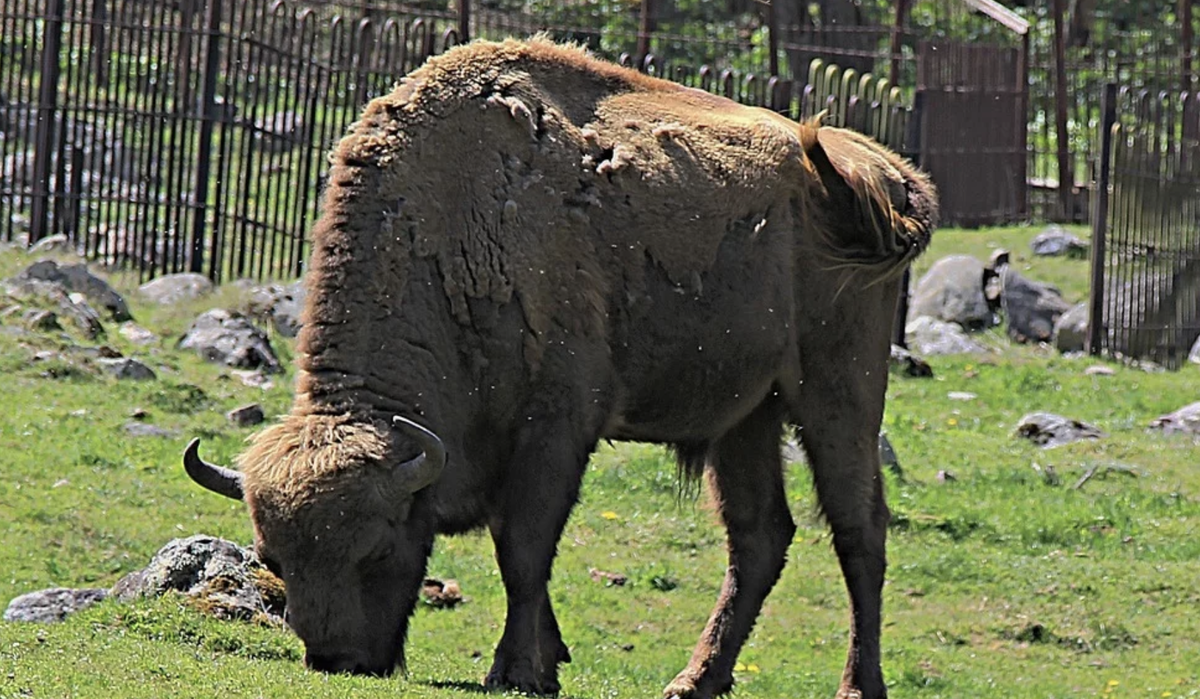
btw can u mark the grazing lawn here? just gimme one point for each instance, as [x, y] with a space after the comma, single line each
[1006, 580]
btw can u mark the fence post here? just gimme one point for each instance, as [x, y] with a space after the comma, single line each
[1096, 298]
[208, 117]
[464, 21]
[897, 29]
[43, 148]
[1186, 41]
[1066, 180]
[773, 39]
[643, 40]
[913, 147]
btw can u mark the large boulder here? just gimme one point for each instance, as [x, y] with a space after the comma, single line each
[67, 305]
[221, 577]
[1071, 329]
[930, 336]
[953, 291]
[54, 604]
[76, 278]
[229, 338]
[1055, 241]
[281, 304]
[1031, 308]
[176, 288]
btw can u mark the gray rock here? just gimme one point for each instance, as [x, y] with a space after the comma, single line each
[51, 243]
[127, 368]
[953, 291]
[930, 336]
[229, 338]
[1194, 354]
[137, 334]
[142, 429]
[1055, 241]
[52, 605]
[888, 458]
[1050, 430]
[76, 278]
[176, 288]
[43, 321]
[1031, 308]
[224, 578]
[908, 363]
[69, 305]
[1071, 329]
[1185, 420]
[246, 415]
[282, 305]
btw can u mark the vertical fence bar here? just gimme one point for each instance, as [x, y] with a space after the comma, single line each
[47, 110]
[643, 39]
[1065, 178]
[464, 21]
[208, 115]
[1096, 320]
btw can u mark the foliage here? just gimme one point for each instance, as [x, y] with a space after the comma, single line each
[1003, 582]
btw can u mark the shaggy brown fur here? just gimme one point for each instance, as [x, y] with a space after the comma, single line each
[528, 250]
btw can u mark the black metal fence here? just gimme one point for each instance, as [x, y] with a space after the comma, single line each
[1145, 287]
[191, 136]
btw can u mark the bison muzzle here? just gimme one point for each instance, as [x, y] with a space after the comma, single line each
[524, 250]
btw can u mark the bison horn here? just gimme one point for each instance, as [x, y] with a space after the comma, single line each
[424, 469]
[220, 480]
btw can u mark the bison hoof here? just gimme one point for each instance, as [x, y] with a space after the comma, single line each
[688, 686]
[521, 677]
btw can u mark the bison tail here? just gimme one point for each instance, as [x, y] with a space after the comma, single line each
[878, 211]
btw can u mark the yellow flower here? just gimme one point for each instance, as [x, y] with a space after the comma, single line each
[609, 514]
[952, 422]
[1113, 683]
[739, 667]
[753, 668]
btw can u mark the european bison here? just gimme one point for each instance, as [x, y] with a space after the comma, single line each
[524, 250]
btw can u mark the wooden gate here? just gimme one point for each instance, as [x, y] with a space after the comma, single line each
[973, 129]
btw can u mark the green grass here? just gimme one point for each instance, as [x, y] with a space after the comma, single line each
[1001, 583]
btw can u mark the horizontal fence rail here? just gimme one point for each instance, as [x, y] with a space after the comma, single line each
[1146, 264]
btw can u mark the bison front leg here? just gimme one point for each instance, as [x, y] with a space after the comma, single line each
[539, 491]
[746, 479]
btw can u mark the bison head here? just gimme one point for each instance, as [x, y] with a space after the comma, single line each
[345, 525]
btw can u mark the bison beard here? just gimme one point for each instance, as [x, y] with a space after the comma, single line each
[528, 250]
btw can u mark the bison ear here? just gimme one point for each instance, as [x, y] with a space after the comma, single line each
[424, 469]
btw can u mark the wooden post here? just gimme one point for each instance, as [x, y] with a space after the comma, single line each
[43, 140]
[773, 37]
[1095, 333]
[1186, 40]
[1066, 181]
[464, 21]
[902, 7]
[643, 42]
[208, 115]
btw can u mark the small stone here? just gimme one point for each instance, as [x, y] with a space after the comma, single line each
[1099, 370]
[961, 395]
[609, 579]
[139, 414]
[1049, 430]
[42, 321]
[127, 369]
[1185, 420]
[52, 605]
[246, 415]
[137, 334]
[51, 243]
[176, 288]
[946, 477]
[142, 429]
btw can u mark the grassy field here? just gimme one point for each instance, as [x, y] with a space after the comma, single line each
[1004, 582]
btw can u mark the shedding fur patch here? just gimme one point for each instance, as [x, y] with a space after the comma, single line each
[300, 449]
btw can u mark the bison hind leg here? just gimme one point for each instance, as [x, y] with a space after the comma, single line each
[745, 475]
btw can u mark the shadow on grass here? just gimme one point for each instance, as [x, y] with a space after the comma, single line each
[477, 688]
